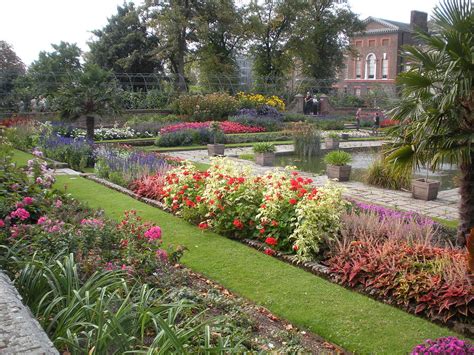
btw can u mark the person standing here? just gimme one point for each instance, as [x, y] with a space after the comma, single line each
[308, 104]
[376, 123]
[358, 115]
[33, 104]
[315, 106]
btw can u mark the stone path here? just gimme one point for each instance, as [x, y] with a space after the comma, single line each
[445, 206]
[20, 332]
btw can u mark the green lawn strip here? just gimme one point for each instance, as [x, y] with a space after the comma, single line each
[21, 158]
[346, 318]
[446, 222]
[201, 166]
[200, 147]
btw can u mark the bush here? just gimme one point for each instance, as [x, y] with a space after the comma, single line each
[307, 141]
[294, 117]
[395, 259]
[187, 137]
[382, 174]
[266, 117]
[23, 136]
[330, 125]
[263, 147]
[337, 157]
[258, 100]
[78, 153]
[217, 106]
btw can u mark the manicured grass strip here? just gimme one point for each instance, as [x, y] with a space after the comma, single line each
[346, 318]
[21, 158]
[200, 147]
[446, 222]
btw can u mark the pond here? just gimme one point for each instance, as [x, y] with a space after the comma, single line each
[360, 163]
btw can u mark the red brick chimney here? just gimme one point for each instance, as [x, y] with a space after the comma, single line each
[419, 21]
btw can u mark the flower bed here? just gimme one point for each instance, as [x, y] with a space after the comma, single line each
[77, 298]
[226, 126]
[111, 133]
[258, 100]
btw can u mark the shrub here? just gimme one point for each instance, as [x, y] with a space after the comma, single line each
[394, 259]
[263, 147]
[24, 135]
[337, 157]
[78, 153]
[271, 121]
[333, 135]
[294, 117]
[448, 345]
[330, 125]
[258, 100]
[307, 141]
[187, 137]
[123, 166]
[384, 175]
[215, 106]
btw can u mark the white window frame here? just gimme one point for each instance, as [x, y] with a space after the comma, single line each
[367, 67]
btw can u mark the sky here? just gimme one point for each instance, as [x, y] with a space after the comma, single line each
[30, 26]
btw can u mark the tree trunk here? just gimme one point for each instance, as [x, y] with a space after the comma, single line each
[90, 123]
[466, 205]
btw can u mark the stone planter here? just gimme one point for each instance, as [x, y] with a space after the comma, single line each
[215, 149]
[265, 159]
[332, 143]
[423, 189]
[339, 172]
[345, 136]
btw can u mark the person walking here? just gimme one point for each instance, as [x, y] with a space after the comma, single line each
[358, 115]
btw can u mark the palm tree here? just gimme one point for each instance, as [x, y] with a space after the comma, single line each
[92, 92]
[436, 109]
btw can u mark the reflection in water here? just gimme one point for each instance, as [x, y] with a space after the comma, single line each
[360, 162]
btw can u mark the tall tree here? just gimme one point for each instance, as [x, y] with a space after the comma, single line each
[321, 36]
[221, 30]
[272, 22]
[437, 105]
[174, 23]
[125, 45]
[11, 67]
[52, 69]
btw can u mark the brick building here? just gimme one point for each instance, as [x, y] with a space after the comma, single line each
[376, 61]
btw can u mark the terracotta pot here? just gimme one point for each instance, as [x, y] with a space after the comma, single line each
[332, 143]
[265, 159]
[339, 172]
[424, 189]
[215, 149]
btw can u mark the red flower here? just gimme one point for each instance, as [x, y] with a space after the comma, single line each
[124, 243]
[274, 223]
[269, 251]
[238, 224]
[271, 241]
[293, 201]
[203, 225]
[262, 230]
[295, 247]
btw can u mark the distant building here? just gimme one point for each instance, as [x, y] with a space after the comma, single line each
[377, 61]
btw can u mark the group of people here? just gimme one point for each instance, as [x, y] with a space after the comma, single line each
[376, 120]
[311, 105]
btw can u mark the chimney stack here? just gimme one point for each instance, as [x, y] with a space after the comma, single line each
[419, 21]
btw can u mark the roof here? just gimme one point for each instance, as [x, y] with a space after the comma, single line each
[389, 26]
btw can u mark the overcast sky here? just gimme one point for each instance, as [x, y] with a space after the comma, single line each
[30, 26]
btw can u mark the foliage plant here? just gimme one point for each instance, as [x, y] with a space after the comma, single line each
[216, 106]
[306, 140]
[263, 147]
[446, 345]
[382, 174]
[249, 100]
[333, 135]
[337, 157]
[435, 111]
[78, 153]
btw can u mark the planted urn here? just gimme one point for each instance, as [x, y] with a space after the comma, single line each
[332, 141]
[215, 149]
[337, 165]
[264, 153]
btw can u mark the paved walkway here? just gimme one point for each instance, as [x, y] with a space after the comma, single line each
[445, 206]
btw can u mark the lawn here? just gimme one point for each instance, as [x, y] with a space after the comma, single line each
[21, 158]
[344, 317]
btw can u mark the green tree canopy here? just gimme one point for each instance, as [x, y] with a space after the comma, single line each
[11, 67]
[125, 45]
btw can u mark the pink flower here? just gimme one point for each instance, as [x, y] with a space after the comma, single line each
[28, 201]
[39, 180]
[20, 213]
[38, 153]
[58, 203]
[92, 222]
[153, 233]
[14, 231]
[162, 255]
[15, 186]
[2, 223]
[42, 220]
